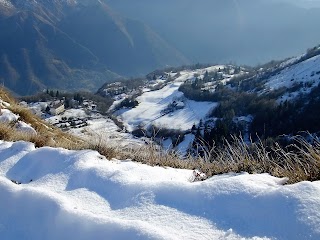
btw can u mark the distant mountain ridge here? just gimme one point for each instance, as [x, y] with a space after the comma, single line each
[68, 44]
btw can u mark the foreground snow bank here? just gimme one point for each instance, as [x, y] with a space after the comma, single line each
[80, 195]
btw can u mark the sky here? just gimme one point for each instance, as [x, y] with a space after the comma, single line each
[305, 3]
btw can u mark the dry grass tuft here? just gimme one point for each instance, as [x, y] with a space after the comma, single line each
[6, 96]
[298, 162]
[108, 151]
[53, 138]
[5, 131]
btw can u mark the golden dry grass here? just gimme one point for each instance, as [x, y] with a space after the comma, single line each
[5, 96]
[300, 162]
[53, 138]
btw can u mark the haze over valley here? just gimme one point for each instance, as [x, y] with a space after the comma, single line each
[160, 119]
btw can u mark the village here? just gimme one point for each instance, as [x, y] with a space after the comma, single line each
[65, 113]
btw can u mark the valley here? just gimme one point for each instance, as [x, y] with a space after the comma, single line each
[192, 109]
[149, 119]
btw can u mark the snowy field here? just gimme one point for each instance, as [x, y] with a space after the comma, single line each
[105, 130]
[151, 105]
[80, 195]
[100, 128]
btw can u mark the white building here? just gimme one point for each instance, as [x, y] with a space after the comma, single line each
[57, 109]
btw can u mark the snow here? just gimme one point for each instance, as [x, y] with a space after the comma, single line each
[100, 128]
[105, 130]
[6, 3]
[290, 61]
[167, 144]
[7, 116]
[247, 118]
[213, 68]
[26, 128]
[151, 105]
[117, 101]
[184, 146]
[304, 72]
[36, 108]
[82, 195]
[74, 113]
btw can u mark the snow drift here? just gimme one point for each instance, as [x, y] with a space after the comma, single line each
[60, 194]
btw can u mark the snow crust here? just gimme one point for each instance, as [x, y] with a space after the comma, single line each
[81, 195]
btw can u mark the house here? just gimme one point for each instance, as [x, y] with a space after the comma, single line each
[177, 105]
[180, 105]
[85, 104]
[57, 108]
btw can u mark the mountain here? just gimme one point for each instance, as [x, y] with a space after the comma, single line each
[57, 186]
[135, 47]
[196, 105]
[242, 31]
[66, 44]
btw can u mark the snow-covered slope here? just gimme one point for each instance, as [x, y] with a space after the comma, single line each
[81, 195]
[305, 74]
[153, 104]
